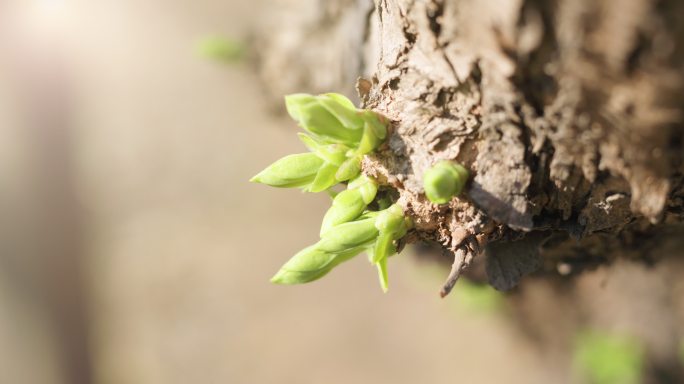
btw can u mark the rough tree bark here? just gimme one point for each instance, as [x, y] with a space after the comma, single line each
[568, 114]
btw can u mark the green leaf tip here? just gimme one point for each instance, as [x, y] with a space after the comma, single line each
[292, 171]
[383, 275]
[444, 180]
[392, 225]
[307, 265]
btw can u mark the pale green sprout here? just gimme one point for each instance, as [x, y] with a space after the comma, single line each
[328, 119]
[310, 264]
[349, 169]
[350, 203]
[333, 153]
[444, 180]
[391, 225]
[315, 261]
[291, 171]
[373, 231]
[338, 136]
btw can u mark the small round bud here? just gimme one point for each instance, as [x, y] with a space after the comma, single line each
[443, 181]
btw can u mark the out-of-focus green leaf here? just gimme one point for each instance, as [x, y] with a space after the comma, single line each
[221, 49]
[604, 358]
[477, 298]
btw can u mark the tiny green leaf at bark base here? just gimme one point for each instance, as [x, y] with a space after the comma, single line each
[443, 181]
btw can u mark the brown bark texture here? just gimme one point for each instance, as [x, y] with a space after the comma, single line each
[569, 115]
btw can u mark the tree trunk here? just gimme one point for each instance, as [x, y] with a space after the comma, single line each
[568, 114]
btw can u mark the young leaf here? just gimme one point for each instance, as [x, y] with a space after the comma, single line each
[346, 206]
[311, 115]
[311, 264]
[294, 102]
[367, 186]
[291, 171]
[309, 142]
[369, 140]
[349, 169]
[325, 178]
[382, 248]
[333, 153]
[339, 106]
[377, 124]
[348, 236]
[382, 274]
[317, 120]
[390, 219]
[342, 100]
[349, 204]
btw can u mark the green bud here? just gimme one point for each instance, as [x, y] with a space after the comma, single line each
[444, 180]
[311, 264]
[349, 204]
[346, 206]
[391, 225]
[406, 224]
[325, 178]
[347, 236]
[343, 109]
[377, 124]
[367, 186]
[349, 169]
[291, 171]
[390, 220]
[332, 153]
[294, 102]
[369, 140]
[308, 111]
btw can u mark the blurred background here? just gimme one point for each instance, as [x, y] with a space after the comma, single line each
[133, 249]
